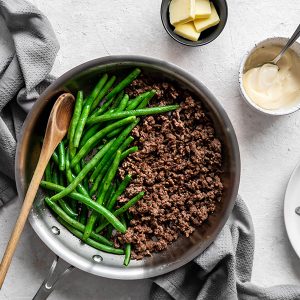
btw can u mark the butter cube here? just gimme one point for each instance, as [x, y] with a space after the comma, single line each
[212, 20]
[181, 11]
[187, 31]
[202, 9]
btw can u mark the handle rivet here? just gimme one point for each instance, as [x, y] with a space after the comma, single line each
[55, 230]
[97, 258]
[297, 210]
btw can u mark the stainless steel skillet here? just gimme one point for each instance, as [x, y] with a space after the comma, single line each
[68, 247]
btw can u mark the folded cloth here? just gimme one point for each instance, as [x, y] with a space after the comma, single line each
[223, 270]
[28, 47]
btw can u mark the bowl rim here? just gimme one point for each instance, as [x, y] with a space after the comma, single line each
[128, 274]
[184, 41]
[248, 100]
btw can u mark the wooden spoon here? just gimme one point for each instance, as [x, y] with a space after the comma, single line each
[57, 127]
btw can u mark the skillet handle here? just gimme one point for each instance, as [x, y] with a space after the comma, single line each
[58, 270]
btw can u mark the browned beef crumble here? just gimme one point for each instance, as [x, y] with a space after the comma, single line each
[178, 165]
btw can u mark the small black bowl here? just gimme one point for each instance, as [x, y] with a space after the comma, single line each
[206, 36]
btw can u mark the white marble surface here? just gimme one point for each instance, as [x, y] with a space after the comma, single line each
[270, 146]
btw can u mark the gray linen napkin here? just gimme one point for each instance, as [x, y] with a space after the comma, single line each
[28, 47]
[223, 271]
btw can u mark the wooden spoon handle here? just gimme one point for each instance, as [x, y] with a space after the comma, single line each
[19, 226]
[57, 127]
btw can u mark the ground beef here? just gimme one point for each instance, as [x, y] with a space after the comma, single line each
[178, 165]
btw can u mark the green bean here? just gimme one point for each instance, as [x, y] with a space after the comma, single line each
[83, 189]
[106, 166]
[92, 142]
[55, 158]
[128, 204]
[85, 182]
[90, 165]
[67, 209]
[121, 210]
[88, 202]
[107, 182]
[89, 133]
[68, 169]
[121, 188]
[75, 223]
[126, 81]
[127, 254]
[72, 152]
[80, 188]
[76, 116]
[92, 131]
[145, 101]
[118, 99]
[61, 156]
[76, 169]
[129, 151]
[70, 208]
[137, 112]
[103, 92]
[123, 103]
[141, 102]
[134, 103]
[99, 190]
[108, 194]
[119, 142]
[110, 176]
[114, 133]
[85, 112]
[127, 245]
[48, 172]
[80, 126]
[70, 177]
[103, 108]
[89, 241]
[108, 158]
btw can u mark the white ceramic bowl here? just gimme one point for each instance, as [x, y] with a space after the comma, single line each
[279, 41]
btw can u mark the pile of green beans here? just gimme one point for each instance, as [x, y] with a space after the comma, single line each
[81, 180]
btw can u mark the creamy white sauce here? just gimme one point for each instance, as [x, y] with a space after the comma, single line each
[269, 86]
